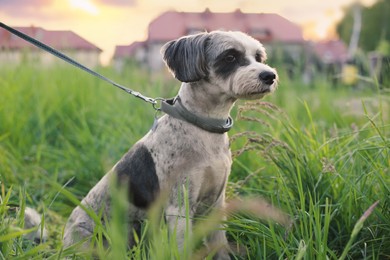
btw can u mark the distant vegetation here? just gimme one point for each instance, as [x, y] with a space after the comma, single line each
[375, 30]
[320, 153]
[373, 54]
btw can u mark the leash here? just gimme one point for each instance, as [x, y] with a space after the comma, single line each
[62, 56]
[172, 107]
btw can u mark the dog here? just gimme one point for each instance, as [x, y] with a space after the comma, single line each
[188, 146]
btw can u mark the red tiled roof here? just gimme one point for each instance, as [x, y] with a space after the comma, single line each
[265, 27]
[62, 40]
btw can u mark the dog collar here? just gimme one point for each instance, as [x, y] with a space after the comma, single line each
[174, 107]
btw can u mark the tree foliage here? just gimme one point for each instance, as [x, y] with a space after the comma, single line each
[375, 25]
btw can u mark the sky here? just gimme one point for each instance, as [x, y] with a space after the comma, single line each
[107, 23]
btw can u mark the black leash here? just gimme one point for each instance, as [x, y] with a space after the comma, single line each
[75, 63]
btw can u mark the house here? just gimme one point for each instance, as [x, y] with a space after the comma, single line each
[327, 56]
[331, 51]
[270, 29]
[14, 50]
[135, 51]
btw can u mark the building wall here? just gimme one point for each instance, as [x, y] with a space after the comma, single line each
[45, 59]
[139, 56]
[154, 59]
[150, 57]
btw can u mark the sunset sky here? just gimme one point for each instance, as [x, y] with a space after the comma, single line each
[107, 23]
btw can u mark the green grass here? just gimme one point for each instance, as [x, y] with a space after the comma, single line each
[321, 154]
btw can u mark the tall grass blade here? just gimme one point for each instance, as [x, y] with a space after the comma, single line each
[356, 229]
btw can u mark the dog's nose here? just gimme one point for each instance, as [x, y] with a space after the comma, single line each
[267, 77]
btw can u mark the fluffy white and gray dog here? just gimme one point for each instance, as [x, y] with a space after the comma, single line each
[189, 146]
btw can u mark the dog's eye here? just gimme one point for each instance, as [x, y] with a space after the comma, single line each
[258, 57]
[230, 58]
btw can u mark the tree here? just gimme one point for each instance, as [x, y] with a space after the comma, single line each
[375, 25]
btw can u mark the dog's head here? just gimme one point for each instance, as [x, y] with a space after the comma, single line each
[232, 61]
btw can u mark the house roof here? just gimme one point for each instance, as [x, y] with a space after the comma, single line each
[62, 40]
[172, 25]
[266, 27]
[331, 51]
[127, 50]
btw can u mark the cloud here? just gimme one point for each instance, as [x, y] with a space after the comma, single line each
[23, 8]
[21, 4]
[122, 3]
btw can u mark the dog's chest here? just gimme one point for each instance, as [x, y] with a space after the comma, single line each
[183, 153]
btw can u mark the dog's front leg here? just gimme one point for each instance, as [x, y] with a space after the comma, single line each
[179, 224]
[217, 239]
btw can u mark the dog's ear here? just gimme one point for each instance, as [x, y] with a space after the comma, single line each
[186, 57]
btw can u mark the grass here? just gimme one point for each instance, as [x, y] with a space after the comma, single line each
[320, 154]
